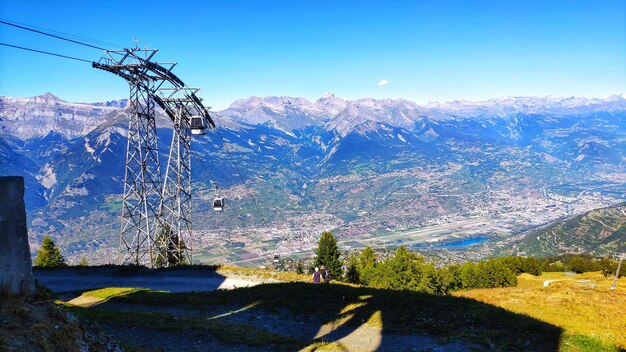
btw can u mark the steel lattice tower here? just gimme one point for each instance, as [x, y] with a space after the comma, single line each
[156, 216]
[176, 197]
[142, 178]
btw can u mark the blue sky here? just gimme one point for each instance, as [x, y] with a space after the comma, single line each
[426, 50]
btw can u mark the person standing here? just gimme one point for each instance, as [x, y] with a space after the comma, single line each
[325, 274]
[317, 276]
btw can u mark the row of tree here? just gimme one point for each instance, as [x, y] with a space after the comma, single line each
[582, 263]
[406, 270]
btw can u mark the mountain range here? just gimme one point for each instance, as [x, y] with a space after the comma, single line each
[290, 166]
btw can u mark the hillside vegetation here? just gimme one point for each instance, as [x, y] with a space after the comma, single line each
[600, 231]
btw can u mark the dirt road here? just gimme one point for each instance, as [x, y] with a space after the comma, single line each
[80, 280]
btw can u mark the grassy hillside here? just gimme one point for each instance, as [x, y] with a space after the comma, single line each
[590, 314]
[600, 231]
[568, 315]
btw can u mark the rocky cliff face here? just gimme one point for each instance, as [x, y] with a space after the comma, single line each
[33, 117]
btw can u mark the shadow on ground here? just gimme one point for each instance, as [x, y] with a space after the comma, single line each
[294, 316]
[71, 281]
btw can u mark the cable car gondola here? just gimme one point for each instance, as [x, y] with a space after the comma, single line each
[198, 125]
[218, 202]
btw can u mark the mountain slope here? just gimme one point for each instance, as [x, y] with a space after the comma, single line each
[600, 231]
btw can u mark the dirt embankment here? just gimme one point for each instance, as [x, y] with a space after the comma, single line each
[38, 324]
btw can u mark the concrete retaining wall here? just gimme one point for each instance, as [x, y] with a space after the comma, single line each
[16, 277]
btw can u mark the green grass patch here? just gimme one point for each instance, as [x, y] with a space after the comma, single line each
[110, 292]
[578, 342]
[112, 206]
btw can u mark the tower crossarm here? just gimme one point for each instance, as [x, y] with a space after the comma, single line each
[134, 66]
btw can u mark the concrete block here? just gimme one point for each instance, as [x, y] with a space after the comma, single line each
[16, 276]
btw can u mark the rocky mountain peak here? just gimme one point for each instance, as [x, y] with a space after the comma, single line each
[47, 97]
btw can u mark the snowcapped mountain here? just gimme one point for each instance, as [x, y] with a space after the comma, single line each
[284, 113]
[507, 106]
[26, 118]
[334, 156]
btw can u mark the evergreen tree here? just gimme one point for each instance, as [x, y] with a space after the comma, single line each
[578, 265]
[49, 255]
[352, 272]
[328, 254]
[367, 266]
[436, 281]
[531, 266]
[470, 277]
[455, 273]
[496, 274]
[299, 268]
[404, 271]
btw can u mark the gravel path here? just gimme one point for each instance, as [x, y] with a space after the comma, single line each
[68, 280]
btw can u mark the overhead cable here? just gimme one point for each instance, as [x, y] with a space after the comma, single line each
[66, 35]
[231, 158]
[51, 35]
[45, 52]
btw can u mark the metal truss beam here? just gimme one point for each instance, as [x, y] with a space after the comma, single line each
[156, 214]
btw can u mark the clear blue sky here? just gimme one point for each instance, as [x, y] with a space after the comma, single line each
[427, 51]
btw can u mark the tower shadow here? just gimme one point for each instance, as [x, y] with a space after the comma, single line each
[338, 317]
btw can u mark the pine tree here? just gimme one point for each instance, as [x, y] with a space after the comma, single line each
[168, 251]
[49, 255]
[403, 271]
[328, 254]
[367, 267]
[352, 269]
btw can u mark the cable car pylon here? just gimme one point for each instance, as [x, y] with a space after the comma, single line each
[156, 219]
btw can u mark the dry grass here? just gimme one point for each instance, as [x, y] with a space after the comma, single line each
[597, 313]
[264, 274]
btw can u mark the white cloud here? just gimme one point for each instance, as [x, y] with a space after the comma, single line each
[382, 82]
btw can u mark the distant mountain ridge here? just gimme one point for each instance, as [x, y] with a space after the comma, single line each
[291, 113]
[354, 166]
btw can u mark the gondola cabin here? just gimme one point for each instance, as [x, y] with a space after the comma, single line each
[198, 125]
[218, 203]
